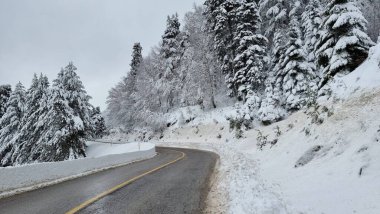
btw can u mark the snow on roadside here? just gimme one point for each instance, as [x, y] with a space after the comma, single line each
[97, 149]
[236, 187]
[23, 178]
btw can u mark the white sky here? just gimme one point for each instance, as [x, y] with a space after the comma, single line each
[97, 35]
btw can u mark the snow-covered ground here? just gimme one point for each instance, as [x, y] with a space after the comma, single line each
[317, 161]
[100, 157]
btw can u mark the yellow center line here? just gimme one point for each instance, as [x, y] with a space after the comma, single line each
[117, 187]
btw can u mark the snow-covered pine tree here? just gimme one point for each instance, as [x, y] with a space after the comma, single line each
[221, 22]
[294, 75]
[57, 129]
[67, 121]
[344, 43]
[98, 123]
[136, 58]
[11, 123]
[33, 124]
[271, 109]
[249, 62]
[63, 136]
[276, 17]
[276, 13]
[170, 45]
[169, 81]
[275, 27]
[5, 93]
[76, 96]
[311, 21]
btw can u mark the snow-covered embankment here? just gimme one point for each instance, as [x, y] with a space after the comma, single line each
[100, 157]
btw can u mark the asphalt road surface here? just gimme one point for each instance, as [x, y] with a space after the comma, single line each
[157, 185]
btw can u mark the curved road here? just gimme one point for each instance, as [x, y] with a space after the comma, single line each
[175, 181]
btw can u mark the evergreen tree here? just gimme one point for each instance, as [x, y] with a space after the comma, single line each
[311, 21]
[221, 18]
[343, 44]
[136, 58]
[271, 109]
[76, 96]
[32, 123]
[5, 93]
[171, 53]
[170, 45]
[276, 18]
[57, 121]
[251, 46]
[11, 123]
[66, 121]
[276, 25]
[294, 75]
[98, 123]
[63, 137]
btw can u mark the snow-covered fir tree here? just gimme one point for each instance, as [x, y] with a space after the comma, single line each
[274, 25]
[170, 44]
[271, 109]
[63, 136]
[33, 125]
[56, 122]
[311, 21]
[221, 22]
[171, 53]
[294, 75]
[344, 43]
[5, 92]
[11, 123]
[99, 124]
[136, 58]
[275, 13]
[249, 62]
[76, 96]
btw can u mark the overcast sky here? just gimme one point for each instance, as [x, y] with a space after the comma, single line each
[97, 35]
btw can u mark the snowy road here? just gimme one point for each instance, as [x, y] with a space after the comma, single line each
[157, 185]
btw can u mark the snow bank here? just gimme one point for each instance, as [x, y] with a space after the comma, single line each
[97, 149]
[236, 186]
[101, 157]
[365, 78]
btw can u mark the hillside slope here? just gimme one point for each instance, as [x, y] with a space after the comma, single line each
[323, 160]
